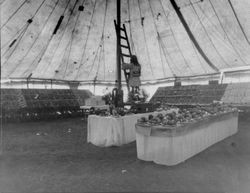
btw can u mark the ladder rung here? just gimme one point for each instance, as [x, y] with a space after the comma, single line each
[122, 29]
[124, 46]
[126, 55]
[123, 37]
[126, 63]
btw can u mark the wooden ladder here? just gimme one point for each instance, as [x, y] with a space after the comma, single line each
[122, 47]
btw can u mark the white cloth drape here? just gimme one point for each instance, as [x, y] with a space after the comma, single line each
[171, 150]
[113, 131]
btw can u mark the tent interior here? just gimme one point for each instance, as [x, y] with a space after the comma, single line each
[63, 40]
[57, 54]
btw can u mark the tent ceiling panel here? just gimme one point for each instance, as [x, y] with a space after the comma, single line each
[216, 36]
[14, 55]
[36, 50]
[59, 46]
[203, 37]
[54, 39]
[232, 29]
[242, 11]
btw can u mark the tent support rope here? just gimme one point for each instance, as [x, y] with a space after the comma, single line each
[191, 36]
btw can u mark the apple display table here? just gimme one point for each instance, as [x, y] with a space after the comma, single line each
[172, 146]
[113, 131]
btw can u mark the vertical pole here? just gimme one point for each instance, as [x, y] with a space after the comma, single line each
[27, 83]
[118, 57]
[119, 93]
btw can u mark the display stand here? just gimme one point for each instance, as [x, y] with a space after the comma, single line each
[114, 131]
[171, 146]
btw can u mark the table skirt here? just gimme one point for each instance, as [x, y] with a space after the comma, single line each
[114, 131]
[171, 150]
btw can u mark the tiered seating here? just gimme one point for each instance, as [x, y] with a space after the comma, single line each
[12, 99]
[191, 94]
[41, 103]
[43, 98]
[12, 103]
[209, 93]
[238, 93]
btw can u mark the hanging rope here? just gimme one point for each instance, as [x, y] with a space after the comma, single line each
[36, 37]
[25, 29]
[134, 20]
[164, 73]
[99, 59]
[133, 50]
[85, 45]
[69, 44]
[197, 55]
[52, 35]
[162, 42]
[63, 56]
[166, 53]
[71, 41]
[211, 41]
[14, 13]
[20, 38]
[38, 9]
[229, 40]
[96, 54]
[103, 42]
[235, 14]
[40, 55]
[195, 50]
[191, 36]
[57, 46]
[176, 42]
[100, 47]
[16, 41]
[14, 37]
[215, 28]
[145, 40]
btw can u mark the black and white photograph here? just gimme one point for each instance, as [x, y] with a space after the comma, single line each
[125, 96]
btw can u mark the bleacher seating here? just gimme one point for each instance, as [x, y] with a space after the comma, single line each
[41, 103]
[22, 104]
[12, 99]
[40, 98]
[236, 94]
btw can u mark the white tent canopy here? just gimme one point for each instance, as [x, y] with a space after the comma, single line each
[83, 48]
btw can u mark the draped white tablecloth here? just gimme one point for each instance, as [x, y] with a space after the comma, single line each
[113, 131]
[171, 149]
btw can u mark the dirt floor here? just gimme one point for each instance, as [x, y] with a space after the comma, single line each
[54, 156]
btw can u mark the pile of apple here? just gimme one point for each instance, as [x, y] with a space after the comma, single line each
[186, 115]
